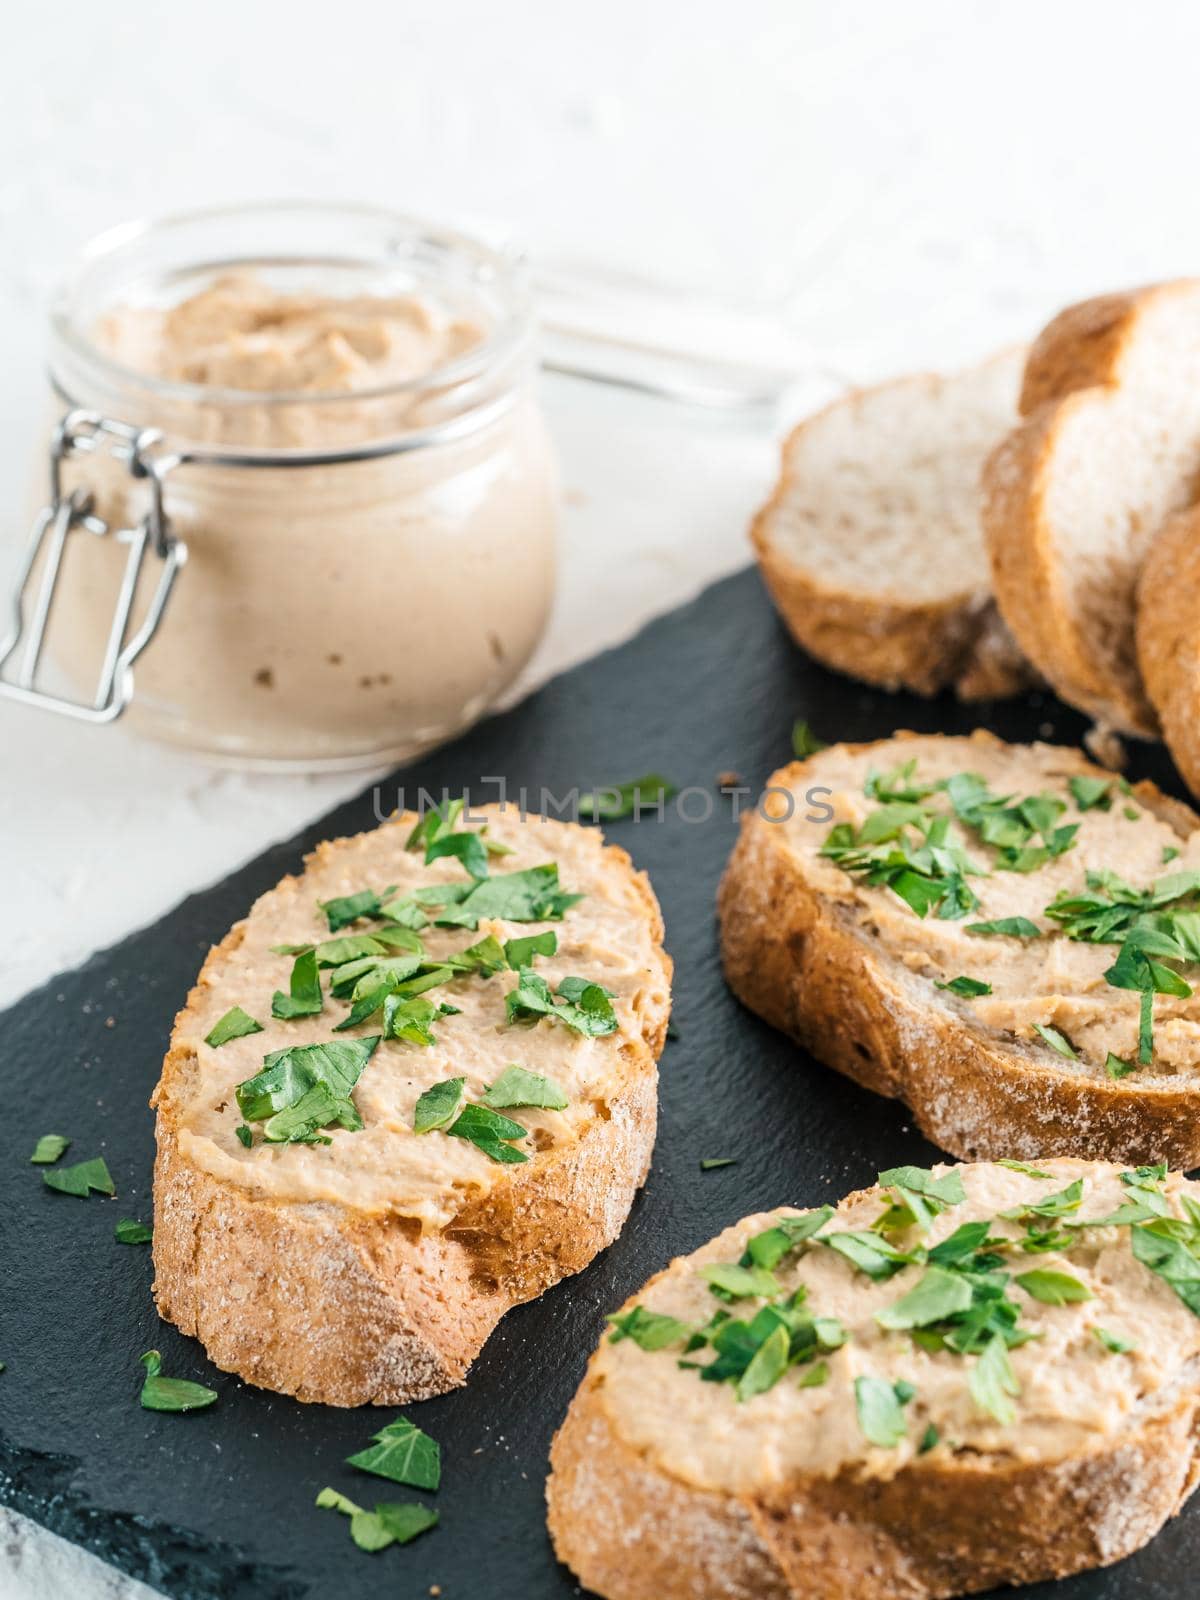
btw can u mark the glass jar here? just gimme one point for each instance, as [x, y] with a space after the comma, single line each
[366, 569]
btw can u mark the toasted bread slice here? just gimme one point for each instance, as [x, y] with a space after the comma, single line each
[1168, 637]
[371, 1268]
[1074, 496]
[871, 545]
[886, 1444]
[1032, 1050]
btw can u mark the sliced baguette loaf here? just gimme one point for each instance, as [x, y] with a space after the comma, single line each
[904, 1413]
[871, 544]
[1168, 637]
[1008, 1043]
[371, 1268]
[1073, 497]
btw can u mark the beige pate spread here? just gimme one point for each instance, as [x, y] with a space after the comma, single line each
[1073, 1391]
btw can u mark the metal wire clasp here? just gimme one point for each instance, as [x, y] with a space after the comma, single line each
[88, 433]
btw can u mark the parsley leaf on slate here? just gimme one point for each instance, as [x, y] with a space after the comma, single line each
[49, 1149]
[805, 742]
[388, 1524]
[127, 1231]
[171, 1394]
[581, 1005]
[711, 1163]
[516, 1087]
[649, 1330]
[439, 1105]
[880, 1411]
[81, 1179]
[402, 1453]
[621, 800]
[489, 1132]
[306, 1087]
[304, 1000]
[235, 1024]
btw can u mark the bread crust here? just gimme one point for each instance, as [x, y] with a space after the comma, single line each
[349, 1308]
[1074, 361]
[922, 646]
[631, 1531]
[804, 965]
[1168, 638]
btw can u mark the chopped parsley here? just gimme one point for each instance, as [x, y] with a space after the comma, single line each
[620, 800]
[439, 1105]
[304, 998]
[411, 1019]
[84, 1178]
[880, 1407]
[402, 1453]
[732, 1281]
[388, 1524]
[519, 953]
[1024, 1167]
[1057, 1041]
[1053, 1288]
[235, 1024]
[1116, 1067]
[490, 1132]
[939, 1294]
[516, 1087]
[1091, 794]
[127, 1231]
[171, 1394]
[579, 1004]
[49, 1148]
[305, 1088]
[992, 1381]
[436, 832]
[1113, 1342]
[1006, 927]
[967, 988]
[711, 1163]
[348, 908]
[649, 1330]
[805, 742]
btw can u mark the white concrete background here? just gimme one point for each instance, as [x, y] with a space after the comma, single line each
[901, 184]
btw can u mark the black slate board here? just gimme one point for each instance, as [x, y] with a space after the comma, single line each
[220, 1503]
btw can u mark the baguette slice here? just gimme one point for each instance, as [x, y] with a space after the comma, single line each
[1075, 494]
[1168, 637]
[871, 545]
[666, 1487]
[374, 1267]
[851, 971]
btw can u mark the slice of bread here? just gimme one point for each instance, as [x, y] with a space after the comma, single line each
[1168, 637]
[373, 1267]
[871, 545]
[1074, 495]
[1035, 1051]
[883, 1426]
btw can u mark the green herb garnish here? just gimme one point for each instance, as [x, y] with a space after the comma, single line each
[1116, 1067]
[1113, 1343]
[1091, 794]
[881, 1410]
[1024, 1167]
[968, 988]
[804, 741]
[305, 1088]
[649, 1330]
[171, 1394]
[348, 908]
[516, 1087]
[1053, 1288]
[1007, 928]
[388, 1524]
[235, 1024]
[1057, 1041]
[938, 1295]
[621, 800]
[711, 1163]
[84, 1178]
[439, 1105]
[993, 1383]
[490, 1132]
[127, 1231]
[304, 1000]
[48, 1149]
[519, 953]
[402, 1453]
[579, 1004]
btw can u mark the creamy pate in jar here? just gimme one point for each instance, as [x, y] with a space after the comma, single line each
[350, 447]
